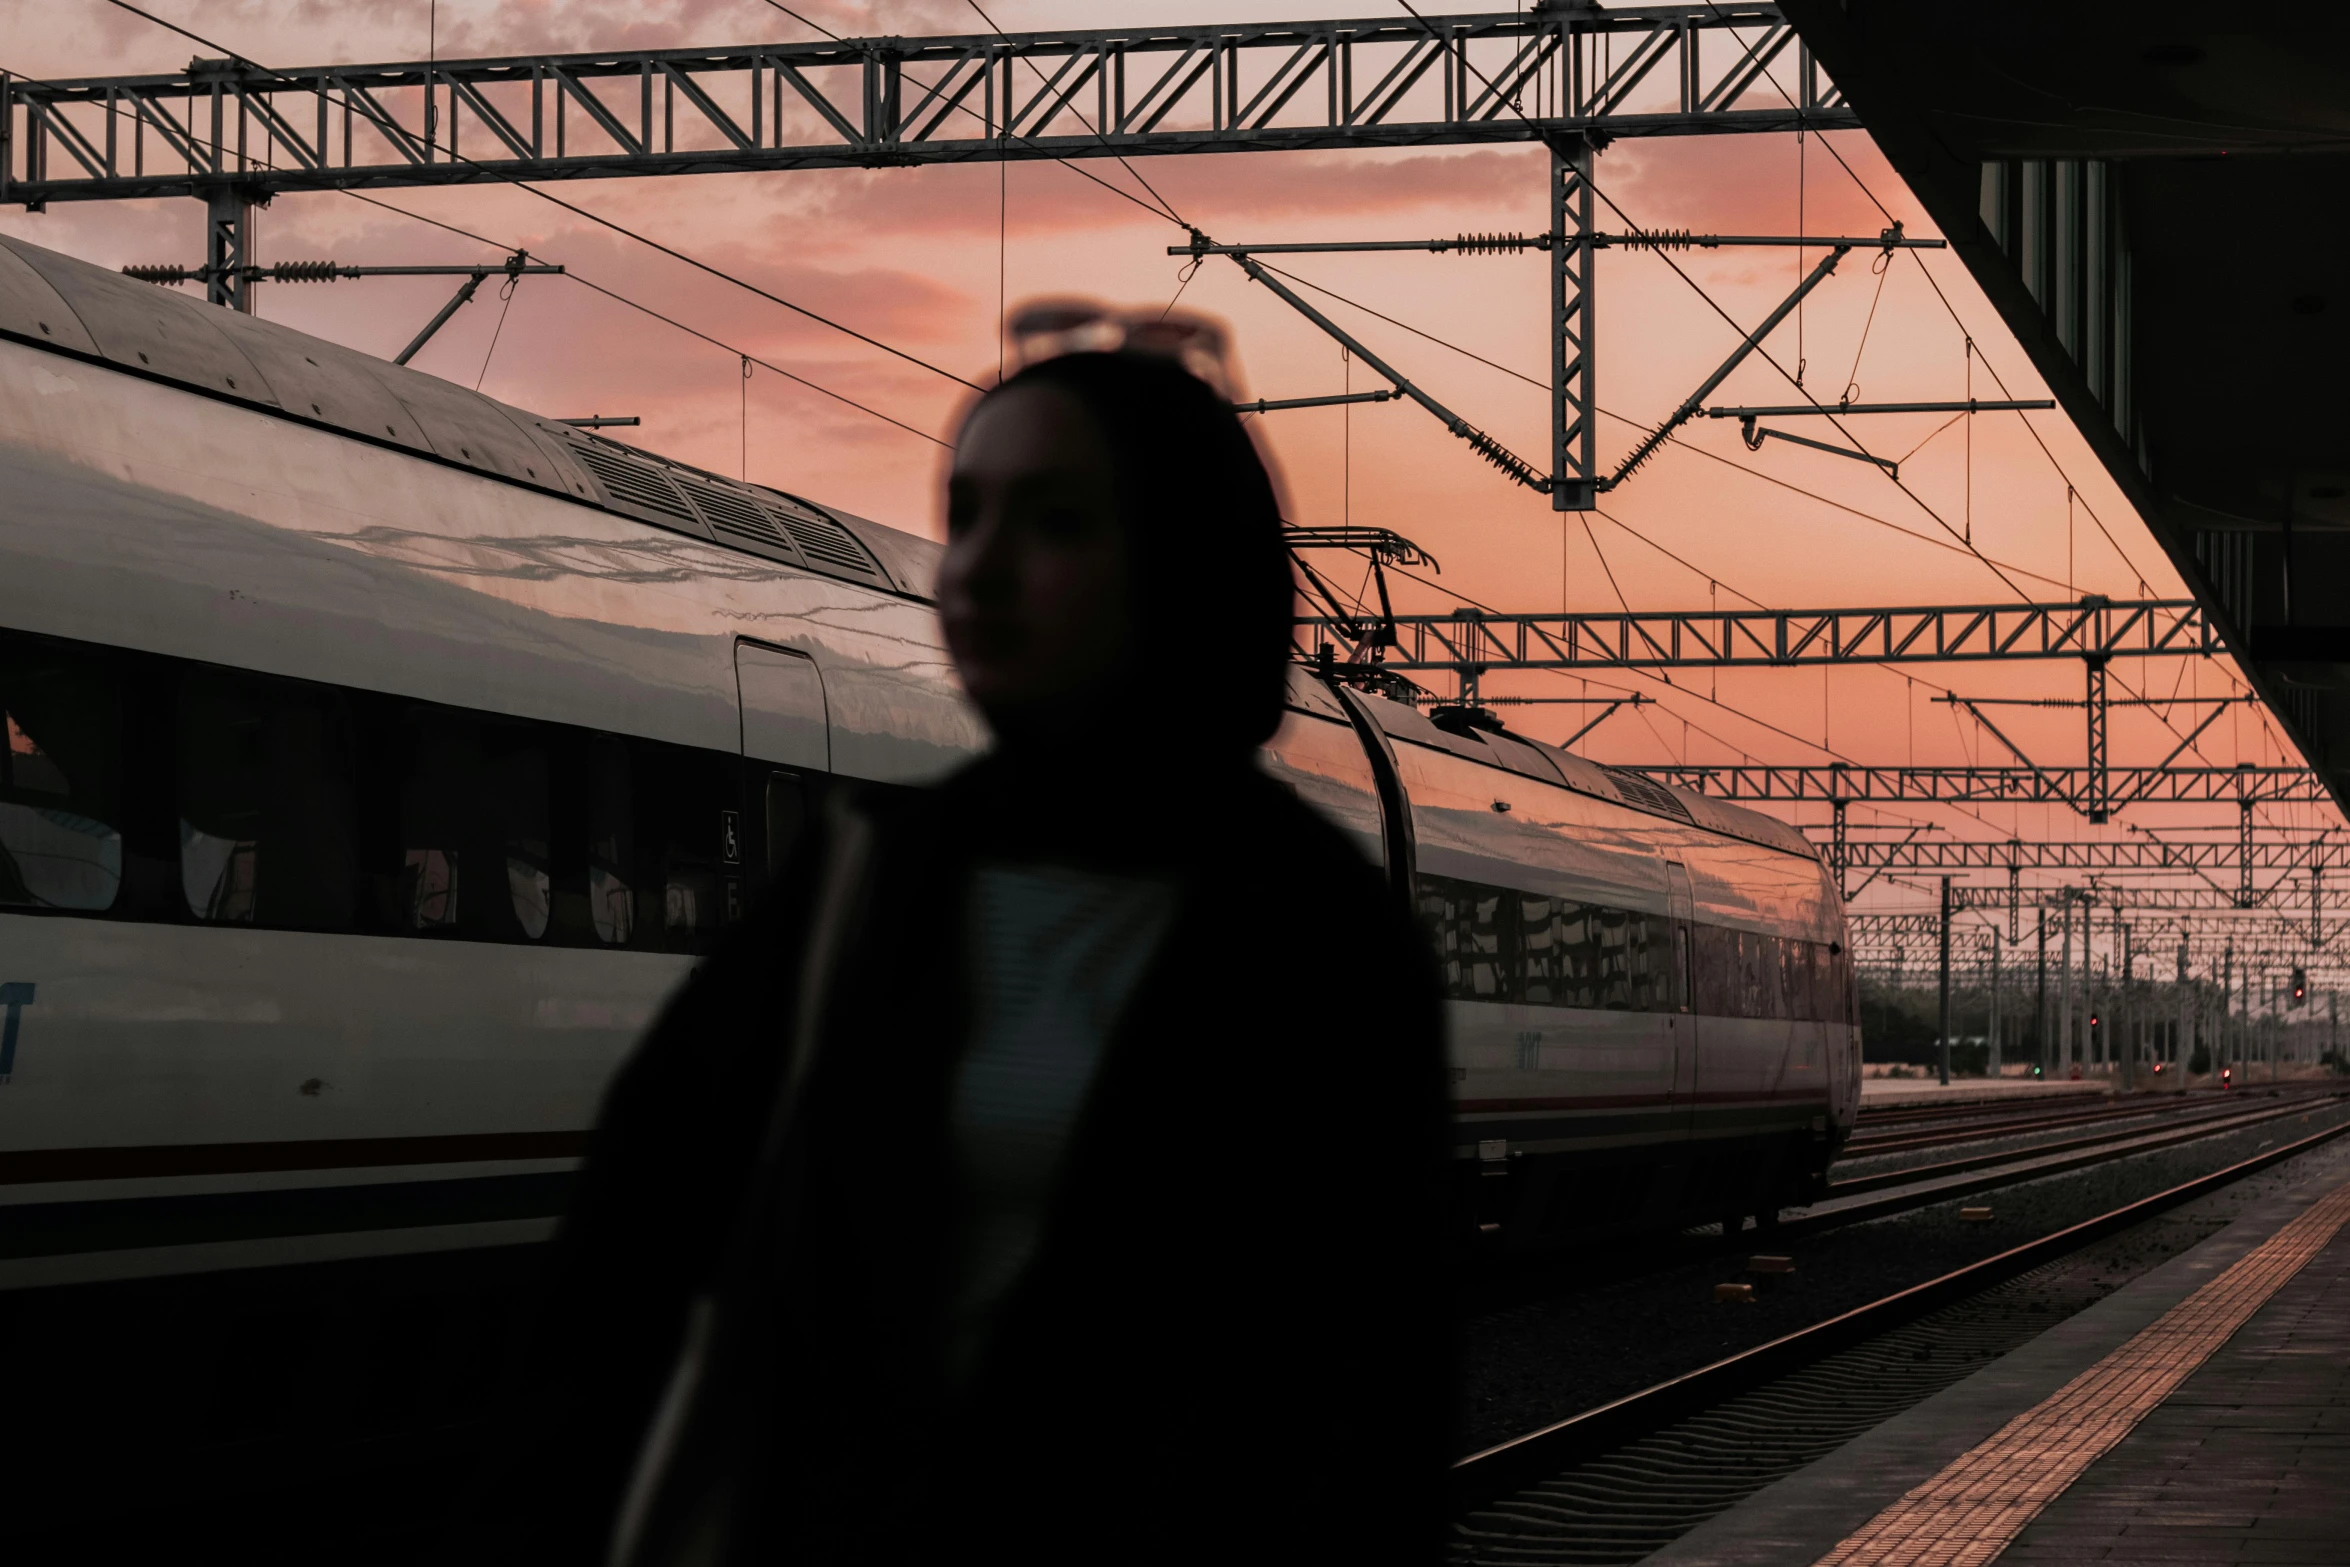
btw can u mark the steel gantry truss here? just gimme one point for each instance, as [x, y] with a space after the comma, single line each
[2214, 941]
[233, 132]
[2127, 856]
[1390, 81]
[1475, 643]
[1833, 781]
[1471, 644]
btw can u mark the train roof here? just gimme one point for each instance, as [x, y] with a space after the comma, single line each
[55, 302]
[1552, 764]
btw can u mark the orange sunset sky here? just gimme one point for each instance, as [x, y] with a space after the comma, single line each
[919, 258]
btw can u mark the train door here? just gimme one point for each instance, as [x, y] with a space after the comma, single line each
[1681, 907]
[787, 750]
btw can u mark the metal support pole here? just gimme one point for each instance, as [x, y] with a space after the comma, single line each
[2244, 854]
[1944, 1059]
[1993, 1063]
[2098, 805]
[228, 233]
[2227, 1003]
[2040, 996]
[1840, 851]
[2064, 985]
[2125, 1016]
[2183, 1046]
[2015, 891]
[2317, 897]
[1574, 338]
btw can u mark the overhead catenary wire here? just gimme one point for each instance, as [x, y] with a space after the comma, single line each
[1956, 548]
[1405, 326]
[601, 221]
[1933, 283]
[1964, 537]
[1763, 352]
[1166, 209]
[666, 320]
[622, 299]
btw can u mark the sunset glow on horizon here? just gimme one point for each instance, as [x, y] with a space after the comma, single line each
[928, 259]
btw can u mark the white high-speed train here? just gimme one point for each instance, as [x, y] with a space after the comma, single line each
[379, 756]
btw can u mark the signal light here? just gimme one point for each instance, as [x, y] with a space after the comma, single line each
[2300, 986]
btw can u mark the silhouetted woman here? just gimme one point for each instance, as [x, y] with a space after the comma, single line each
[1051, 1172]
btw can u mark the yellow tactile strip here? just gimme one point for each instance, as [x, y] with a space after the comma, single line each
[1967, 1514]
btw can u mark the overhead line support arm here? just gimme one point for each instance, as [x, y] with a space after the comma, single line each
[1696, 400]
[1484, 445]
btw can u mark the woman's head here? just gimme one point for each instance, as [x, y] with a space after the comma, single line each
[1108, 517]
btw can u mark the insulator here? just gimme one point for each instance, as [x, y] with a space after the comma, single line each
[1490, 244]
[1658, 239]
[1500, 456]
[160, 272]
[304, 272]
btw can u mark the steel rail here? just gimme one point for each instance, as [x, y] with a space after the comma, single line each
[1496, 1471]
[2019, 1167]
[1901, 1137]
[2128, 1140]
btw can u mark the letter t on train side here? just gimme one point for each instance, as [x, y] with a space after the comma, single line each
[15, 996]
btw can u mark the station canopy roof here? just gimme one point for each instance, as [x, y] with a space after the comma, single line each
[2156, 197]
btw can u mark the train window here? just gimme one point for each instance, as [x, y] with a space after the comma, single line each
[683, 799]
[1496, 944]
[267, 812]
[60, 778]
[439, 788]
[518, 792]
[228, 797]
[611, 841]
[1613, 928]
[1465, 921]
[1649, 956]
[474, 827]
[1542, 966]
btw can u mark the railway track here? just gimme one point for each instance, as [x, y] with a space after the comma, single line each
[1616, 1482]
[1910, 1187]
[1917, 1186]
[1867, 1142]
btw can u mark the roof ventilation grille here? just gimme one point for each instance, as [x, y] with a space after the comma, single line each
[633, 483]
[1648, 793]
[735, 515]
[824, 541]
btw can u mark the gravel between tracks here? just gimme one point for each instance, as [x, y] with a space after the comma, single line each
[1526, 1366]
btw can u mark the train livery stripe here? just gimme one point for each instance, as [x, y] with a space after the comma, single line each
[29, 1165]
[68, 1228]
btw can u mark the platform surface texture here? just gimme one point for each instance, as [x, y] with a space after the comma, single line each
[2199, 1414]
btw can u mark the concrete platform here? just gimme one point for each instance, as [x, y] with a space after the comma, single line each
[2246, 1460]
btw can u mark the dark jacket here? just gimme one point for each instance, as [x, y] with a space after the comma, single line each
[1232, 1342]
